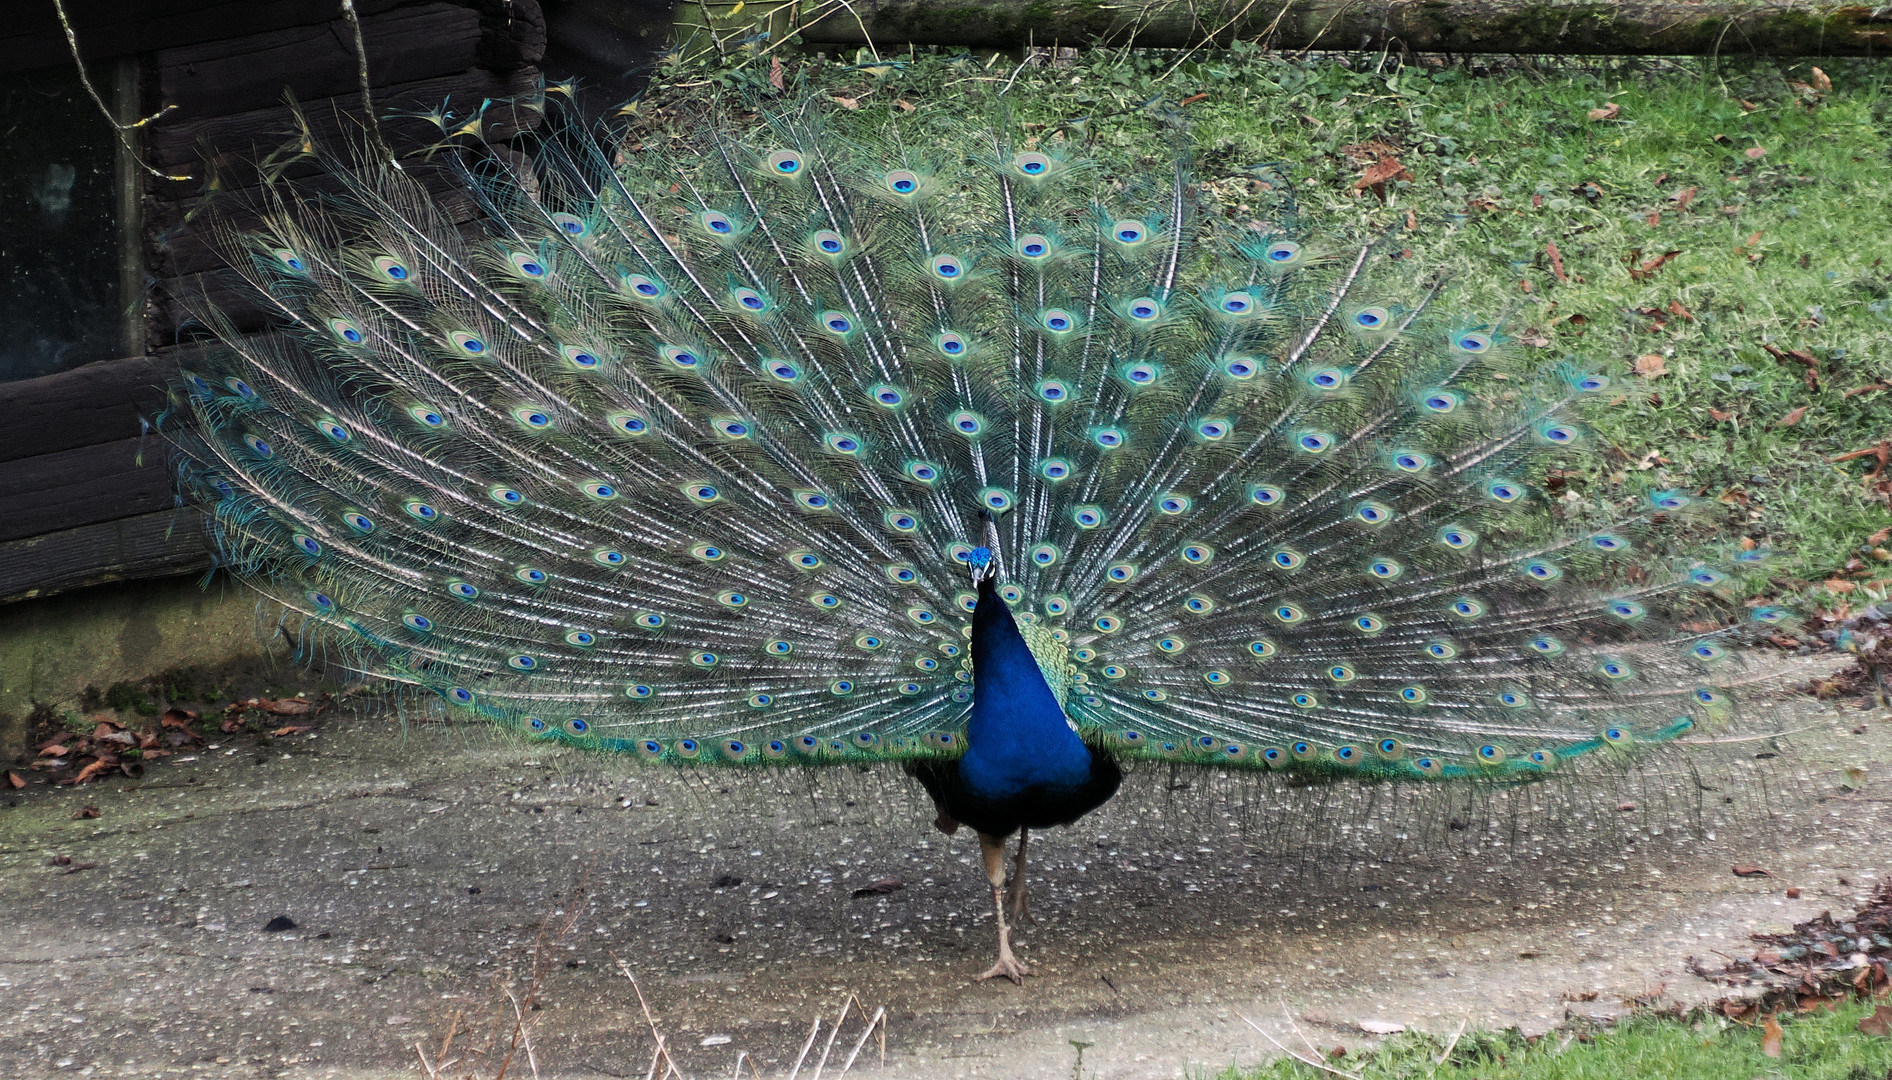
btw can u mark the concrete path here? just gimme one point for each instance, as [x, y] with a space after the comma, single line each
[425, 867]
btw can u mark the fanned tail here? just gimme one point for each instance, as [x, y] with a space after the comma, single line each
[686, 456]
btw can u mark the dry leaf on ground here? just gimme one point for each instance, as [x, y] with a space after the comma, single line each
[1651, 366]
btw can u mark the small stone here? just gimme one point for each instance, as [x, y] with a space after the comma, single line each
[278, 924]
[716, 1040]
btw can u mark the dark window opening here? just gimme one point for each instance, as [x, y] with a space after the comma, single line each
[62, 270]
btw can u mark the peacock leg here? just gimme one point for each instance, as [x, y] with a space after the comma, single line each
[1016, 904]
[1008, 966]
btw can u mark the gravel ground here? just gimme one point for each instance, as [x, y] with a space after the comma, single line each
[427, 869]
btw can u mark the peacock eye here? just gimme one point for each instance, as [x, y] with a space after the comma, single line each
[1032, 163]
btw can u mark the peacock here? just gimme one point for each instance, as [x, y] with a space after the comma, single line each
[927, 440]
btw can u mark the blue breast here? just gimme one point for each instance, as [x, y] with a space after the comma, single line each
[1017, 737]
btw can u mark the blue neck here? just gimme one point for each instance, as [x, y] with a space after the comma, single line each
[1017, 736]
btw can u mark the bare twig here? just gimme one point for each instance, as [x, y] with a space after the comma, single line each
[805, 1047]
[879, 1020]
[361, 74]
[670, 1063]
[1454, 1043]
[838, 1020]
[1314, 1063]
[122, 129]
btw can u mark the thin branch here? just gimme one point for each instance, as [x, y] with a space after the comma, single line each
[805, 1047]
[361, 74]
[1449, 1046]
[879, 1019]
[1310, 1062]
[670, 1063]
[123, 130]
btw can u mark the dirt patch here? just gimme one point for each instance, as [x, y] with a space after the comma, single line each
[420, 862]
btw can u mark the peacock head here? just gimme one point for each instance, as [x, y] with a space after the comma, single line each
[980, 562]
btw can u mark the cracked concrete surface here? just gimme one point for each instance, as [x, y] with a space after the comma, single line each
[421, 861]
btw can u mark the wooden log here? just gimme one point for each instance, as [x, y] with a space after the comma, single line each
[97, 403]
[84, 486]
[162, 544]
[234, 75]
[1462, 26]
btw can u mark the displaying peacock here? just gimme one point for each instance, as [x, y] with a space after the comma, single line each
[817, 449]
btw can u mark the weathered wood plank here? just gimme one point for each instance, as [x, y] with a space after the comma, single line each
[30, 36]
[84, 486]
[97, 403]
[162, 544]
[236, 141]
[233, 75]
[1465, 26]
[180, 246]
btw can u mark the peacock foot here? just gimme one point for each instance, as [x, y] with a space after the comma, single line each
[1008, 967]
[1018, 904]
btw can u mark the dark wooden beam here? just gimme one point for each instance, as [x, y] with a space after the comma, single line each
[97, 403]
[160, 544]
[84, 486]
[235, 142]
[231, 75]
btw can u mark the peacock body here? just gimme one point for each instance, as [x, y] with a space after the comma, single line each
[951, 451]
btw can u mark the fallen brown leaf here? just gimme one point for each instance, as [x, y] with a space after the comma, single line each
[291, 729]
[85, 813]
[94, 768]
[1676, 309]
[1683, 198]
[1755, 153]
[1880, 1022]
[1556, 261]
[1607, 112]
[1724, 417]
[1751, 871]
[1839, 586]
[289, 706]
[1770, 1037]
[1821, 83]
[1193, 98]
[775, 72]
[1647, 270]
[14, 781]
[881, 887]
[1792, 418]
[1378, 174]
[175, 717]
[1651, 366]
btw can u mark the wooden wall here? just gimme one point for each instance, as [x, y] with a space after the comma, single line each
[86, 495]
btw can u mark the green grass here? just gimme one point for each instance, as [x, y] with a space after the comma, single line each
[1789, 248]
[1814, 1046]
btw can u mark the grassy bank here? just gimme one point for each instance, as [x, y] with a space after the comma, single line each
[1711, 233]
[1819, 1045]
